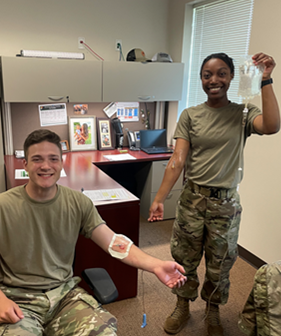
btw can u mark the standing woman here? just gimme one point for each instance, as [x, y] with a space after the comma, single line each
[208, 144]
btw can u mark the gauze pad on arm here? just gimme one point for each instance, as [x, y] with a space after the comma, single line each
[119, 246]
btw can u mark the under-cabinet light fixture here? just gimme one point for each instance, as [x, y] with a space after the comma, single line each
[51, 54]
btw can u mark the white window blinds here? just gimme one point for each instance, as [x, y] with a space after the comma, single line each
[218, 26]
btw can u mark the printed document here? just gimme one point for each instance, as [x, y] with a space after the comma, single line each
[107, 194]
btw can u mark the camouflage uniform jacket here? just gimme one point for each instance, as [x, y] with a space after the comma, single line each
[262, 312]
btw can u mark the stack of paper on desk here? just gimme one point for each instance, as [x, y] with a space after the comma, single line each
[107, 194]
[119, 157]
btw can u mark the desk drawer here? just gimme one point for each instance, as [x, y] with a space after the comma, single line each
[158, 171]
[170, 203]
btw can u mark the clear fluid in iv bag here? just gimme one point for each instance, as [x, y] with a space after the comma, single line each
[250, 78]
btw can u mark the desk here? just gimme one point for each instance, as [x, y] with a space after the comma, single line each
[121, 216]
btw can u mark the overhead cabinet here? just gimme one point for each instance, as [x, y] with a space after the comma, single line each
[51, 80]
[136, 81]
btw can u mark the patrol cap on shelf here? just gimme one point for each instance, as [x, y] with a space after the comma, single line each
[137, 55]
[162, 57]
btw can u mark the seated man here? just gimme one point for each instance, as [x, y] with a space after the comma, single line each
[262, 311]
[39, 226]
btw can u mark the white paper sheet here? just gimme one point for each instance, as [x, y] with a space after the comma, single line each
[107, 194]
[110, 109]
[52, 114]
[119, 157]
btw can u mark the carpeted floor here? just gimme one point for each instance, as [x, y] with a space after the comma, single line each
[158, 302]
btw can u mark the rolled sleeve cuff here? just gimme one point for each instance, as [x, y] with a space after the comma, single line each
[247, 327]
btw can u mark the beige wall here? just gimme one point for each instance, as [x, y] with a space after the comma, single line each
[261, 188]
[56, 25]
[180, 29]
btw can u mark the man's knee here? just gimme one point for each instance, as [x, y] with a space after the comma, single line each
[81, 314]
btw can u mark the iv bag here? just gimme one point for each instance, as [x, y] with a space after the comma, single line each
[250, 78]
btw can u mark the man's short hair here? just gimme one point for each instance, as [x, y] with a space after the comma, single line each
[41, 135]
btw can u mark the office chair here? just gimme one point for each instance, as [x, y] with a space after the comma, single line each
[104, 290]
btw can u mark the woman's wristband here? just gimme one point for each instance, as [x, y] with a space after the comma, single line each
[266, 82]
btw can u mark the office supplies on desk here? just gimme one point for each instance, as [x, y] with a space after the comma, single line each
[134, 140]
[154, 141]
[118, 129]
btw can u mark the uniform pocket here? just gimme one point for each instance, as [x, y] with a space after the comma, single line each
[90, 300]
[79, 293]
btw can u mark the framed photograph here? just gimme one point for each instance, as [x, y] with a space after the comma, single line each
[104, 132]
[82, 133]
[64, 145]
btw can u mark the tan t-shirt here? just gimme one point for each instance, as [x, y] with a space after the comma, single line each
[215, 136]
[37, 239]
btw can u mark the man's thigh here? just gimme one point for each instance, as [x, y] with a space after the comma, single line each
[28, 326]
[80, 314]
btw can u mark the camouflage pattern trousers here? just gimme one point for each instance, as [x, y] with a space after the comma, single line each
[64, 311]
[206, 224]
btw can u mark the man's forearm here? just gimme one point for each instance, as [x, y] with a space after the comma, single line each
[139, 259]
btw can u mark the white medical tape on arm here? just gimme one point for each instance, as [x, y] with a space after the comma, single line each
[119, 246]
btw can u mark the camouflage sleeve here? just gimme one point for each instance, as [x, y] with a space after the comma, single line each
[247, 319]
[254, 318]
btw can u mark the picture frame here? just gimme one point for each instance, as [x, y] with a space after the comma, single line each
[82, 132]
[64, 146]
[104, 133]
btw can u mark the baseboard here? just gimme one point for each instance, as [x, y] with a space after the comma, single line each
[250, 257]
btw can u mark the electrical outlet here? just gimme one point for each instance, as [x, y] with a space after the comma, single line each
[118, 44]
[81, 45]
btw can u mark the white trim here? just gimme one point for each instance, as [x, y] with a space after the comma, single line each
[7, 129]
[159, 115]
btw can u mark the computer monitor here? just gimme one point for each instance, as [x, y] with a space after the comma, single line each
[153, 138]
